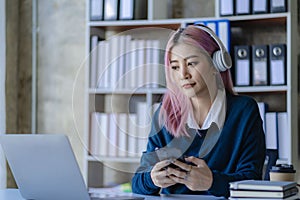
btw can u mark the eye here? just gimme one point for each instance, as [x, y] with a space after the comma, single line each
[175, 67]
[193, 64]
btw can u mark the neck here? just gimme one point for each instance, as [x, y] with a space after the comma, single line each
[201, 106]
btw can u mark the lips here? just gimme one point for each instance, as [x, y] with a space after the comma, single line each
[188, 85]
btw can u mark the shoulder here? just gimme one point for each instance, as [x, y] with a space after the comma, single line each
[242, 106]
[241, 101]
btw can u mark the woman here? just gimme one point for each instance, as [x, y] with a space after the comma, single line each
[218, 134]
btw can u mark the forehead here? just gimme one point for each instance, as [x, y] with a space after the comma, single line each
[183, 50]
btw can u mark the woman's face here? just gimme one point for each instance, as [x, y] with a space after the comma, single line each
[191, 70]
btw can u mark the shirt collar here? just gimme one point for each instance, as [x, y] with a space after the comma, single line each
[216, 113]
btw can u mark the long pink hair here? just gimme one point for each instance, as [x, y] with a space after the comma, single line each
[175, 104]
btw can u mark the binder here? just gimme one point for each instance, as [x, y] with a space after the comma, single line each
[271, 131]
[111, 9]
[96, 10]
[260, 6]
[278, 6]
[277, 64]
[243, 7]
[93, 60]
[260, 65]
[132, 9]
[126, 11]
[284, 138]
[242, 62]
[226, 7]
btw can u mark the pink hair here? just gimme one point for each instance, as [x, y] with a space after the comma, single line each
[175, 104]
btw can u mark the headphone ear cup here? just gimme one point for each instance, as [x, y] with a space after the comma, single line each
[222, 62]
[217, 60]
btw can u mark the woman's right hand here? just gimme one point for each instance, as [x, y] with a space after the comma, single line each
[159, 174]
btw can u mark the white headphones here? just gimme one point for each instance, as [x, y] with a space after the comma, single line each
[221, 58]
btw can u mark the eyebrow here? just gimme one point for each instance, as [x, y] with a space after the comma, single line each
[186, 58]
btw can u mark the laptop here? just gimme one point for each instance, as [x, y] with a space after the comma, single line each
[45, 168]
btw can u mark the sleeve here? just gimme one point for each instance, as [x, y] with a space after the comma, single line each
[141, 181]
[251, 159]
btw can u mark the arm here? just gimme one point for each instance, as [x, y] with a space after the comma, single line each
[142, 182]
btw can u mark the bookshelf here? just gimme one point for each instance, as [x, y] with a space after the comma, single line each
[280, 26]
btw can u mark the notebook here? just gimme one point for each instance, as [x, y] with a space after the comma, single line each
[45, 168]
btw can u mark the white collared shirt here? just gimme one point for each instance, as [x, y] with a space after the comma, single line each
[216, 113]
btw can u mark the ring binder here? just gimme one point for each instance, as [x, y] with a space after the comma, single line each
[242, 65]
[277, 64]
[260, 65]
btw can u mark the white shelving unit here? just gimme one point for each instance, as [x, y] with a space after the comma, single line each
[288, 93]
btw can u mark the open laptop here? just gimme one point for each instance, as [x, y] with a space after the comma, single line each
[45, 168]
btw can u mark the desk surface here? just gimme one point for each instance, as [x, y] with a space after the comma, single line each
[14, 194]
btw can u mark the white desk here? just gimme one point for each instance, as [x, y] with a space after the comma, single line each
[14, 194]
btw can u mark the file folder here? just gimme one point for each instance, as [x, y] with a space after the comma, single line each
[242, 65]
[96, 10]
[226, 7]
[277, 64]
[260, 6]
[243, 7]
[260, 65]
[111, 9]
[278, 6]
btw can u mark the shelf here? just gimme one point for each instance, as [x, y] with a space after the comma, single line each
[258, 17]
[114, 159]
[255, 89]
[128, 91]
[245, 29]
[174, 23]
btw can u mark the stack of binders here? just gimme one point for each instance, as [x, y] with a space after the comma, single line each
[257, 189]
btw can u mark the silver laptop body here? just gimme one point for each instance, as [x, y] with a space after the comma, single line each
[44, 166]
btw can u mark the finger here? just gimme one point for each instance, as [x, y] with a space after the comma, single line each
[179, 180]
[197, 161]
[176, 172]
[162, 164]
[184, 166]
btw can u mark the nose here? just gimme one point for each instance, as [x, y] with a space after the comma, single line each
[184, 72]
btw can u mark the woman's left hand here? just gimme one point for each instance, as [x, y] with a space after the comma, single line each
[197, 177]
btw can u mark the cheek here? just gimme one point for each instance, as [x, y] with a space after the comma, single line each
[174, 76]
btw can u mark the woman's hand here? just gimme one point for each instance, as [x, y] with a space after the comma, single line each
[159, 174]
[198, 177]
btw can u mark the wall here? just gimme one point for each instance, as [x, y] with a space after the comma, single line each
[18, 69]
[3, 173]
[61, 52]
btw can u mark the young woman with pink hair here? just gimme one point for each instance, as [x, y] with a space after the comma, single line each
[203, 136]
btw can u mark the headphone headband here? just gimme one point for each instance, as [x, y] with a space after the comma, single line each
[221, 58]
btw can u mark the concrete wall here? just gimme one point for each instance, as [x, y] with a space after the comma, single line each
[61, 51]
[18, 69]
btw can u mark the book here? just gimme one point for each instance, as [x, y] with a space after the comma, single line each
[264, 194]
[262, 185]
[294, 197]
